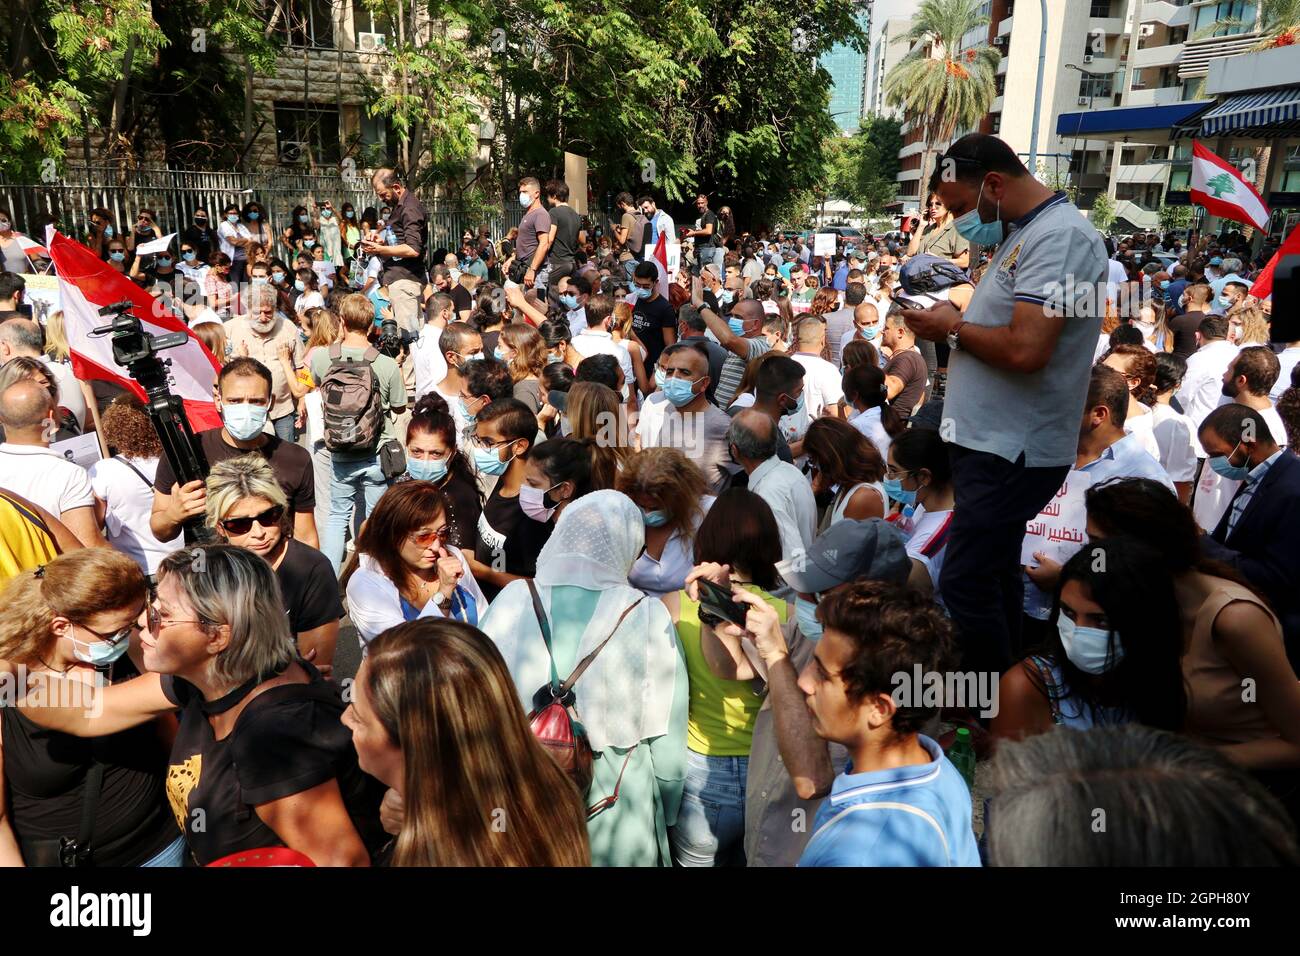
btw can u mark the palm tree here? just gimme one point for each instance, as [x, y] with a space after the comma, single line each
[938, 84]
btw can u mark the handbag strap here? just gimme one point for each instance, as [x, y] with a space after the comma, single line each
[69, 854]
[586, 661]
[147, 483]
[545, 626]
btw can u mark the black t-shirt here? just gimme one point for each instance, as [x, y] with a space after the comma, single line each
[1184, 328]
[649, 318]
[410, 225]
[462, 300]
[910, 367]
[45, 775]
[523, 547]
[709, 242]
[500, 517]
[287, 740]
[309, 588]
[464, 507]
[565, 248]
[290, 463]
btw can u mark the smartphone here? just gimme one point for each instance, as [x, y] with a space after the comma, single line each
[716, 605]
[905, 303]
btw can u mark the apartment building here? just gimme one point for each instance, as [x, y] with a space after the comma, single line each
[886, 50]
[849, 70]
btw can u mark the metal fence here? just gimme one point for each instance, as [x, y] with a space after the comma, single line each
[174, 195]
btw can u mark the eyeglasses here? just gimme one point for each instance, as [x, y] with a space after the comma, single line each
[488, 444]
[156, 623]
[425, 538]
[114, 638]
[897, 472]
[269, 518]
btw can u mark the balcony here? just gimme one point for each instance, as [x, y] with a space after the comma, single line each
[1002, 65]
[1197, 54]
[1154, 96]
[1165, 55]
[1139, 216]
[1109, 26]
[1143, 173]
[1102, 65]
[911, 149]
[1004, 27]
[1167, 14]
[997, 105]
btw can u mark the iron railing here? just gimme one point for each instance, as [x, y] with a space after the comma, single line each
[174, 195]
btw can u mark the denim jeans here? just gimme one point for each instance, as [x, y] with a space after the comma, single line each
[714, 255]
[284, 427]
[346, 477]
[710, 829]
[171, 855]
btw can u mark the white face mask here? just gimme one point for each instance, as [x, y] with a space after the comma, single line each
[1088, 647]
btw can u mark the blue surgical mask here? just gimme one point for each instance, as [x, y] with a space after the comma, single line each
[679, 391]
[805, 613]
[725, 296]
[736, 325]
[1223, 469]
[973, 229]
[464, 410]
[570, 301]
[99, 653]
[870, 332]
[499, 354]
[326, 213]
[277, 276]
[188, 256]
[552, 358]
[108, 232]
[300, 285]
[350, 214]
[430, 469]
[309, 243]
[798, 406]
[232, 218]
[259, 280]
[1088, 648]
[660, 378]
[654, 519]
[1225, 301]
[644, 293]
[164, 260]
[894, 488]
[117, 256]
[525, 200]
[1164, 283]
[304, 219]
[489, 463]
[254, 216]
[244, 421]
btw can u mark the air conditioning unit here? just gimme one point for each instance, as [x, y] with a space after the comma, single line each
[1088, 58]
[1084, 101]
[1002, 39]
[371, 42]
[1146, 30]
[292, 152]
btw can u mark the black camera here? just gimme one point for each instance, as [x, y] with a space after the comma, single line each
[137, 351]
[393, 339]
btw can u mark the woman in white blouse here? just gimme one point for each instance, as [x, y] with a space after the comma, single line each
[405, 569]
[670, 491]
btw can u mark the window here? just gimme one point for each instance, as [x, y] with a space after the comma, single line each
[365, 20]
[1100, 8]
[309, 23]
[1226, 10]
[378, 142]
[307, 137]
[1096, 87]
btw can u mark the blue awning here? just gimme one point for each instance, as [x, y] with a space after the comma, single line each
[1104, 124]
[1264, 115]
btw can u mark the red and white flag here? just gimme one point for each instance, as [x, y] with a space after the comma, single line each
[660, 258]
[30, 247]
[86, 283]
[1223, 191]
[1263, 285]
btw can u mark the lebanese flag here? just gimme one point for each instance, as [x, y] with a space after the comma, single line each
[660, 257]
[1263, 285]
[1223, 191]
[33, 249]
[86, 283]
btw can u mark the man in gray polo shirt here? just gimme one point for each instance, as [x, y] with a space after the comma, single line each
[1017, 377]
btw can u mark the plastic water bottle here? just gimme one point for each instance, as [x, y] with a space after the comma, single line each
[962, 755]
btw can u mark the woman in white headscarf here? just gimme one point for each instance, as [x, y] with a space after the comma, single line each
[632, 699]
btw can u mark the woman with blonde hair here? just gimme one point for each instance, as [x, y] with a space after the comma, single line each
[592, 411]
[56, 338]
[671, 494]
[622, 334]
[521, 347]
[213, 335]
[218, 650]
[436, 717]
[1250, 324]
[247, 508]
[75, 617]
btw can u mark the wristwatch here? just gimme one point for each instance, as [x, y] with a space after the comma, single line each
[954, 336]
[439, 599]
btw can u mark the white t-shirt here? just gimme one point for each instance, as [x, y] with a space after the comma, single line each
[595, 342]
[1287, 359]
[70, 396]
[921, 530]
[651, 418]
[1173, 434]
[309, 300]
[374, 604]
[868, 423]
[856, 333]
[1142, 428]
[226, 231]
[821, 383]
[430, 363]
[577, 321]
[129, 500]
[45, 477]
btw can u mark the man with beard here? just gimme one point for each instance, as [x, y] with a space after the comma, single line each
[265, 335]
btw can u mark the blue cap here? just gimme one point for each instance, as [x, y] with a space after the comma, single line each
[1216, 261]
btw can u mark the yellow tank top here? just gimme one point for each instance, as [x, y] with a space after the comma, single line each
[25, 541]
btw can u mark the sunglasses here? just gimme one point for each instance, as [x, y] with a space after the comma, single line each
[155, 621]
[425, 538]
[269, 518]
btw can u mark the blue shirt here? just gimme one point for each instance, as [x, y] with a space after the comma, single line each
[1249, 484]
[1173, 293]
[904, 816]
[840, 282]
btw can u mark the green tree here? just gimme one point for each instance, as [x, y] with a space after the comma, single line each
[1102, 213]
[1175, 217]
[863, 168]
[939, 85]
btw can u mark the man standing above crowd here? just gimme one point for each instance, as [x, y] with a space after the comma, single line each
[565, 230]
[1017, 377]
[534, 242]
[708, 241]
[403, 258]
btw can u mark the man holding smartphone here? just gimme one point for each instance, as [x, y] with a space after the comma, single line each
[403, 269]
